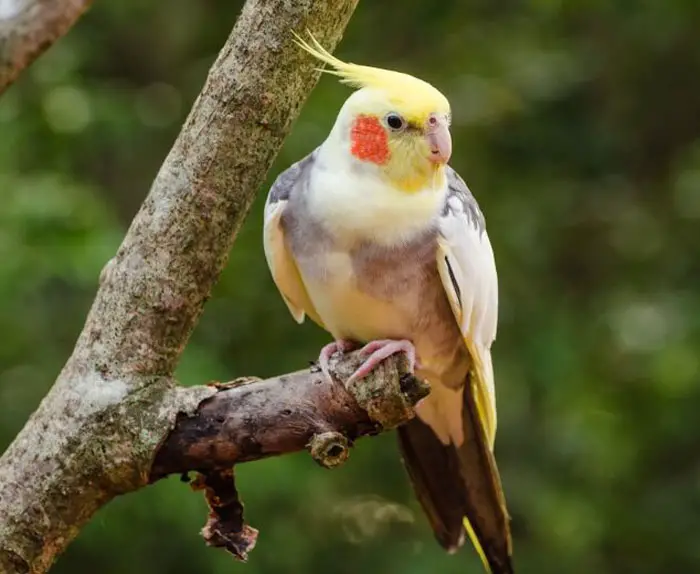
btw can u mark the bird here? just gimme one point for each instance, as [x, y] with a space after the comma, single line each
[380, 242]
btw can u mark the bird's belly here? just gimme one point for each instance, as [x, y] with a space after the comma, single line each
[349, 313]
[418, 311]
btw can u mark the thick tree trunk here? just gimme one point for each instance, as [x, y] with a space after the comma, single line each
[96, 433]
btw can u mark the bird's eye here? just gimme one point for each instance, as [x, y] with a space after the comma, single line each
[395, 121]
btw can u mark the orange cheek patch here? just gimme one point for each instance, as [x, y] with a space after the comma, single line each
[369, 141]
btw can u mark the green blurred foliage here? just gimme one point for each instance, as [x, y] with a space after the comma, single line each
[577, 125]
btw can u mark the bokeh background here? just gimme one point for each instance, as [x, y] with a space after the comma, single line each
[577, 126]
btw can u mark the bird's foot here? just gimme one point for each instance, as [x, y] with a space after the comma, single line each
[377, 351]
[328, 351]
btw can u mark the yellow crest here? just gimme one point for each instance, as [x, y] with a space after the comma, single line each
[416, 98]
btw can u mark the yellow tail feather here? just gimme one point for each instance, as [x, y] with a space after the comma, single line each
[477, 545]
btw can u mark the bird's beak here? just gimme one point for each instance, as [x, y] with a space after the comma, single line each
[439, 141]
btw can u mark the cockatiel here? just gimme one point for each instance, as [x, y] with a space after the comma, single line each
[380, 242]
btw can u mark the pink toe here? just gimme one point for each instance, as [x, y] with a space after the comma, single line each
[379, 351]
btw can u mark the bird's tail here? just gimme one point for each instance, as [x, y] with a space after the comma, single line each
[459, 488]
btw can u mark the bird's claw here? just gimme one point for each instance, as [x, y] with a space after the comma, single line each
[377, 351]
[328, 351]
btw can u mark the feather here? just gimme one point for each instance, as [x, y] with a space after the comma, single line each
[468, 272]
[434, 472]
[416, 96]
[279, 259]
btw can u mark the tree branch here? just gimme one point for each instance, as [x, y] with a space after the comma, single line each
[28, 28]
[248, 420]
[96, 433]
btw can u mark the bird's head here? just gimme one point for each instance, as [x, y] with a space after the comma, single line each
[394, 123]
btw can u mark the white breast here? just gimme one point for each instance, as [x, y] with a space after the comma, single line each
[354, 202]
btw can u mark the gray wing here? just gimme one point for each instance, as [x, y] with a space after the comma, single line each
[280, 260]
[468, 272]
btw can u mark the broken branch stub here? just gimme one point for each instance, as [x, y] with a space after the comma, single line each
[329, 449]
[225, 527]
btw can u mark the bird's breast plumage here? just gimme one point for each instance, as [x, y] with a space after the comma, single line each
[364, 291]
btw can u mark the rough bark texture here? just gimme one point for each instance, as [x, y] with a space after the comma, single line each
[225, 527]
[95, 434]
[252, 419]
[28, 28]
